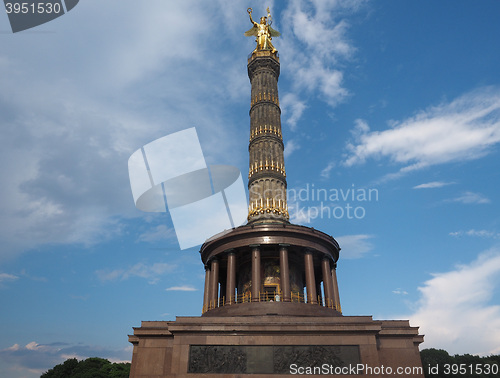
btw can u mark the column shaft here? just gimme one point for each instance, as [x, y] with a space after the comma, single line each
[284, 274]
[327, 282]
[310, 280]
[214, 284]
[256, 274]
[336, 290]
[231, 278]
[206, 291]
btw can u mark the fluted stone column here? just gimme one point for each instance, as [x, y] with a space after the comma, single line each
[206, 291]
[256, 273]
[310, 280]
[327, 282]
[266, 176]
[231, 278]
[284, 273]
[214, 283]
[335, 287]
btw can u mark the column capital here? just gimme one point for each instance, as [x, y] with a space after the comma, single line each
[254, 245]
[284, 245]
[328, 258]
[214, 258]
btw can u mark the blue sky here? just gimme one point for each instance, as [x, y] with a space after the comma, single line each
[402, 98]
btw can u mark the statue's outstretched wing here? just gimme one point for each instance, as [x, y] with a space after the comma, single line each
[253, 31]
[274, 33]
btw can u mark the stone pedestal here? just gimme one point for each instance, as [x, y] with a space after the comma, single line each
[275, 346]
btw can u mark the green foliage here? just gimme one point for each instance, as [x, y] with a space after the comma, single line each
[90, 368]
[434, 357]
[437, 363]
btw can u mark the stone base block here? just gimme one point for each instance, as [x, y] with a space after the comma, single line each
[275, 346]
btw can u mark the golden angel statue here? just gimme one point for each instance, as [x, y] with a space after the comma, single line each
[263, 31]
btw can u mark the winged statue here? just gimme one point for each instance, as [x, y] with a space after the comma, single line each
[263, 32]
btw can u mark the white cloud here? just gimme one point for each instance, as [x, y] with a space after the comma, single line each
[400, 292]
[354, 246]
[471, 198]
[314, 25]
[13, 348]
[151, 272]
[326, 80]
[181, 288]
[325, 173]
[298, 214]
[315, 34]
[158, 233]
[5, 277]
[292, 109]
[110, 275]
[33, 346]
[432, 185]
[455, 311]
[290, 147]
[476, 233]
[464, 129]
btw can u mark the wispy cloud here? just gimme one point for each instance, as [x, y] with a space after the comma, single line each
[158, 233]
[400, 292]
[476, 233]
[355, 246]
[291, 109]
[433, 184]
[325, 173]
[290, 147]
[181, 288]
[464, 129]
[151, 272]
[471, 198]
[315, 34]
[455, 311]
[298, 214]
[5, 277]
